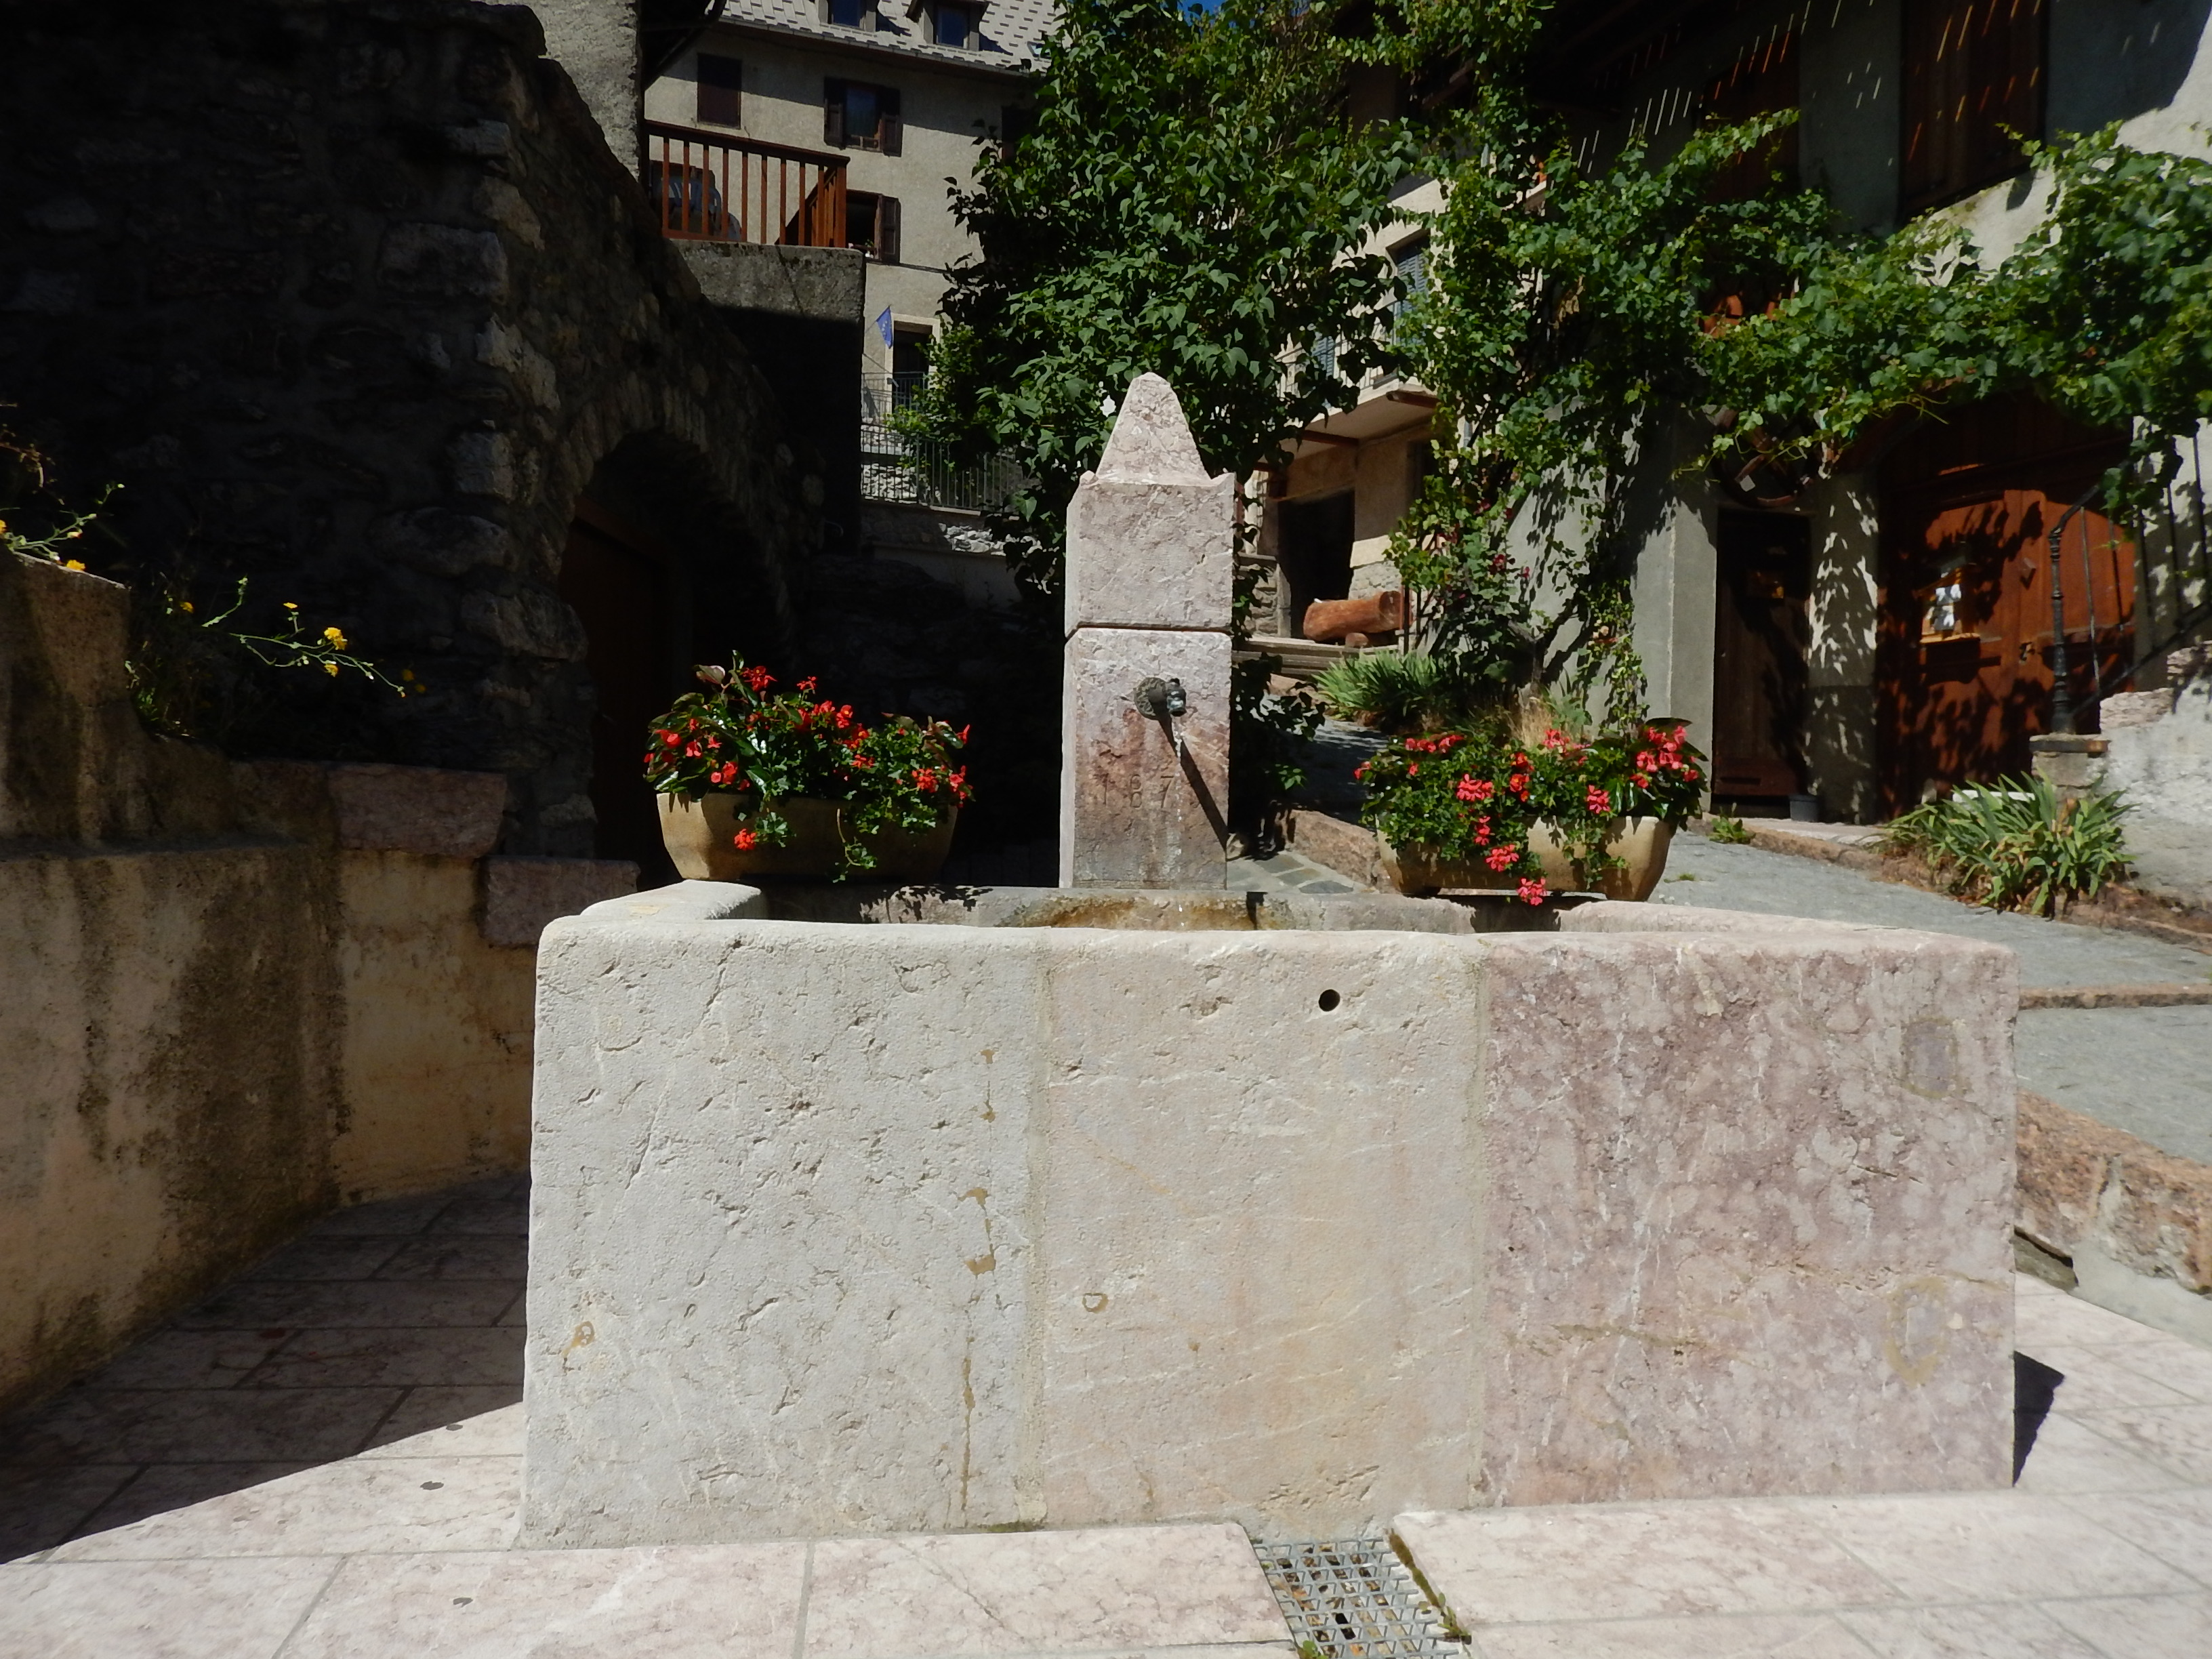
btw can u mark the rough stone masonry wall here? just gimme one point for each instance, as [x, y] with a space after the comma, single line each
[353, 299]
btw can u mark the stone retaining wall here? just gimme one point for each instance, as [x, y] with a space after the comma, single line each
[237, 993]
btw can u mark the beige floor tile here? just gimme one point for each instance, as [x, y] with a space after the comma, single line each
[2176, 1363]
[364, 1506]
[1543, 1565]
[367, 1305]
[156, 1609]
[160, 1488]
[188, 1359]
[2175, 1526]
[2016, 1630]
[315, 1257]
[2143, 1626]
[2178, 1438]
[714, 1601]
[393, 1216]
[2098, 1379]
[1760, 1635]
[473, 1356]
[2070, 1456]
[498, 1216]
[41, 1508]
[461, 1255]
[178, 1425]
[2069, 1322]
[453, 1423]
[1010, 1593]
[1991, 1546]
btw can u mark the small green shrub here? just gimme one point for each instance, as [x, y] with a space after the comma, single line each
[2014, 845]
[1399, 691]
[1729, 830]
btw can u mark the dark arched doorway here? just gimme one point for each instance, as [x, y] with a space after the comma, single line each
[663, 576]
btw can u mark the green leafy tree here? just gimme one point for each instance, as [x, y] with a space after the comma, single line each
[1188, 198]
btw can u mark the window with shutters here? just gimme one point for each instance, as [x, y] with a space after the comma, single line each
[1411, 259]
[1763, 81]
[1972, 68]
[856, 115]
[720, 91]
[871, 224]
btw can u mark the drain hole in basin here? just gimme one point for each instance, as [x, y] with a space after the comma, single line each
[1329, 1001]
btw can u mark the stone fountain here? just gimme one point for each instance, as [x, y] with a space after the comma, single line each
[1138, 1200]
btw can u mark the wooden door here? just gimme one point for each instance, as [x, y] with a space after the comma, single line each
[1761, 632]
[618, 582]
[1964, 652]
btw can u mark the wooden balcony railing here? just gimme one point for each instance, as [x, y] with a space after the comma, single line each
[712, 187]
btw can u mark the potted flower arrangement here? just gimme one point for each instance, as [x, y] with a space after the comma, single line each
[790, 785]
[1477, 809]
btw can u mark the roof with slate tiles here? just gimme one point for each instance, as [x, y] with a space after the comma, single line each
[1012, 30]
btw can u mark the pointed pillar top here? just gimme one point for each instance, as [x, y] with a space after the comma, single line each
[1151, 443]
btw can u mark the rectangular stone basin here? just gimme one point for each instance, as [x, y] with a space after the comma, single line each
[1234, 1210]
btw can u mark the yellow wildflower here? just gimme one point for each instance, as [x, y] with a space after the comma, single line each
[337, 640]
[185, 605]
[332, 669]
[72, 564]
[4, 527]
[288, 605]
[406, 673]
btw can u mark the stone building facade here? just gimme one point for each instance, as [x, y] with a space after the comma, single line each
[356, 302]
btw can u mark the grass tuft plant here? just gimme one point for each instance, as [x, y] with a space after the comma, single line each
[2014, 845]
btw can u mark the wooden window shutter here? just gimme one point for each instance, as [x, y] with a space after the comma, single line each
[721, 94]
[1972, 69]
[833, 113]
[887, 229]
[887, 100]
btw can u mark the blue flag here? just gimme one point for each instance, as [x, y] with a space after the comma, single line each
[884, 326]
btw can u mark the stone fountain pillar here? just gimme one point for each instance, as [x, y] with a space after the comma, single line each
[1144, 783]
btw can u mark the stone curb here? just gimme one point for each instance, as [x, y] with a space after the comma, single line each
[2165, 995]
[2085, 1187]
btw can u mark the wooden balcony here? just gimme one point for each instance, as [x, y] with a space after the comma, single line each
[712, 187]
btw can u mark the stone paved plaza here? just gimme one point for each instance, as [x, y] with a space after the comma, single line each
[323, 1460]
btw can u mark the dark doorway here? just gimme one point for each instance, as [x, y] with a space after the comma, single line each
[1964, 645]
[1314, 549]
[1761, 632]
[620, 583]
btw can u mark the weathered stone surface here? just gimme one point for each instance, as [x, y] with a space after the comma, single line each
[937, 1227]
[1149, 536]
[522, 895]
[417, 808]
[1135, 810]
[1789, 1178]
[2087, 1185]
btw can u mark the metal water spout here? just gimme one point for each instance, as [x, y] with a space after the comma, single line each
[1144, 754]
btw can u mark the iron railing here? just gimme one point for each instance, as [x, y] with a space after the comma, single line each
[2172, 582]
[709, 186]
[896, 465]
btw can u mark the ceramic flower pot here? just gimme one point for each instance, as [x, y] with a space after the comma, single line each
[1642, 842]
[701, 837]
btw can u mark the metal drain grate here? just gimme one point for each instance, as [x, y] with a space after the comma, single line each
[1352, 1599]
